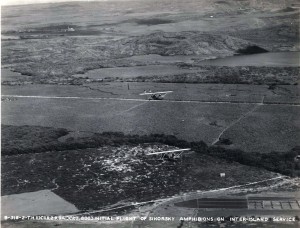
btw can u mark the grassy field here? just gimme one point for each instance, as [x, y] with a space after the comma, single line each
[192, 121]
[260, 132]
[188, 121]
[134, 72]
[282, 94]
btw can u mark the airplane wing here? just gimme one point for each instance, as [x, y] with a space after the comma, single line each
[170, 151]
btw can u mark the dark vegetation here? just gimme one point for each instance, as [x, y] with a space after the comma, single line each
[261, 75]
[228, 75]
[253, 49]
[33, 139]
[98, 177]
[272, 86]
[225, 141]
[117, 171]
[222, 2]
[28, 139]
[280, 162]
[288, 9]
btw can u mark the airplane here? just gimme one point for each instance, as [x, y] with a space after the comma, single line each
[170, 154]
[156, 95]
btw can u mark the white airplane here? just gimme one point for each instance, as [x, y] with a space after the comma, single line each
[155, 95]
[170, 154]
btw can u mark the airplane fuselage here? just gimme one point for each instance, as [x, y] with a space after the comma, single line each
[156, 97]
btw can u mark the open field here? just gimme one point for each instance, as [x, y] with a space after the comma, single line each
[258, 129]
[133, 72]
[192, 112]
[239, 93]
[188, 121]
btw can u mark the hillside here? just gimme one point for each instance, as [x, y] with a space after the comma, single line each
[180, 43]
[48, 51]
[64, 56]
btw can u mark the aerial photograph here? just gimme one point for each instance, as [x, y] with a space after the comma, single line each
[150, 113]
